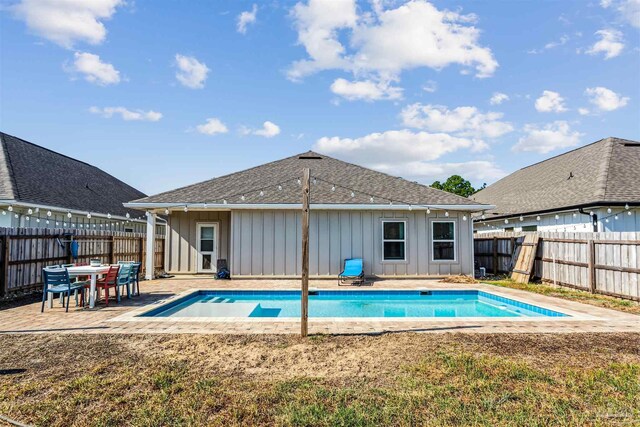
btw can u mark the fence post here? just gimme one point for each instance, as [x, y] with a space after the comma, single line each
[112, 241]
[141, 251]
[592, 265]
[495, 255]
[4, 287]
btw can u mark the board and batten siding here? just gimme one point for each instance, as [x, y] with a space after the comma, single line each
[267, 243]
[182, 240]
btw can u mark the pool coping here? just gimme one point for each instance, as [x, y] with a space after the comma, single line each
[137, 315]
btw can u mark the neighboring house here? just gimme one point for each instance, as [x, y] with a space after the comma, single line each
[253, 219]
[592, 188]
[42, 188]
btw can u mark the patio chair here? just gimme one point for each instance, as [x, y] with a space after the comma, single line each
[56, 281]
[134, 278]
[124, 279]
[353, 270]
[109, 281]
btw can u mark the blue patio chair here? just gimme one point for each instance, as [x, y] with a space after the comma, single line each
[135, 278]
[56, 281]
[353, 271]
[124, 279]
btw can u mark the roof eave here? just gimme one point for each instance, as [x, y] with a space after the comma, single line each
[289, 206]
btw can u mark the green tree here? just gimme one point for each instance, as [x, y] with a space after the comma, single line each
[457, 185]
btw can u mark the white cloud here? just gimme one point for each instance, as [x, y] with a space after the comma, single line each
[550, 102]
[381, 44]
[464, 121]
[552, 45]
[94, 70]
[395, 147]
[126, 114]
[69, 21]
[269, 130]
[476, 170]
[552, 136]
[606, 99]
[430, 86]
[498, 98]
[583, 111]
[366, 90]
[192, 73]
[610, 43]
[246, 18]
[212, 126]
[628, 10]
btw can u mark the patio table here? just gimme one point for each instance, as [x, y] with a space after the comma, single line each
[87, 270]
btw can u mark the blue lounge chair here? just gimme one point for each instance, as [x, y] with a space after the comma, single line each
[353, 271]
[56, 281]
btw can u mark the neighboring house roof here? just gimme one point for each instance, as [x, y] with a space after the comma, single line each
[604, 172]
[328, 171]
[33, 174]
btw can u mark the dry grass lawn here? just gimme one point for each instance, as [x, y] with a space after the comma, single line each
[393, 379]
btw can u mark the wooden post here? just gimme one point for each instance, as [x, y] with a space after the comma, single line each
[304, 312]
[591, 253]
[495, 255]
[4, 286]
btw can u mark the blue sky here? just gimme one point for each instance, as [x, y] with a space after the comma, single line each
[162, 93]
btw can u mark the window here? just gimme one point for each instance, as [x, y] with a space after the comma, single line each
[530, 228]
[444, 240]
[393, 240]
[508, 229]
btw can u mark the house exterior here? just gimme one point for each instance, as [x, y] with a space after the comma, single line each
[43, 189]
[253, 220]
[592, 188]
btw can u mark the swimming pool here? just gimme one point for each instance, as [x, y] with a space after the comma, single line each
[348, 304]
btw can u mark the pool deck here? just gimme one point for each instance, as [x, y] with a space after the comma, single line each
[121, 318]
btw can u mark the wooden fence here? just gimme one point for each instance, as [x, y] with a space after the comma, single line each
[25, 251]
[604, 263]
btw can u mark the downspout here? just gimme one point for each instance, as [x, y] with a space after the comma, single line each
[594, 219]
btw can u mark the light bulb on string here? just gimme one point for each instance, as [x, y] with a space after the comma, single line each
[464, 217]
[10, 208]
[626, 206]
[446, 213]
[280, 187]
[333, 188]
[261, 193]
[48, 213]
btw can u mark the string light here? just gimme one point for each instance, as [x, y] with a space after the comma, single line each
[333, 188]
[280, 187]
[108, 216]
[521, 218]
[464, 217]
[428, 211]
[626, 206]
[27, 218]
[371, 199]
[48, 213]
[506, 221]
[557, 217]
[608, 210]
[10, 208]
[89, 215]
[353, 194]
[186, 209]
[538, 218]
[242, 197]
[629, 213]
[261, 193]
[446, 213]
[129, 216]
[4, 212]
[410, 207]
[30, 211]
[224, 202]
[166, 211]
[204, 205]
[16, 215]
[37, 210]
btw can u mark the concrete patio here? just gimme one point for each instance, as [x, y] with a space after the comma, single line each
[119, 318]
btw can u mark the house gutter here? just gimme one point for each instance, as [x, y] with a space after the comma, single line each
[291, 206]
[64, 211]
[556, 210]
[594, 218]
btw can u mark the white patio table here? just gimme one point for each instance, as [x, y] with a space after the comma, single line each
[87, 270]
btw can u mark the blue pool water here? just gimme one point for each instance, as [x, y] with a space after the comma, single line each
[265, 304]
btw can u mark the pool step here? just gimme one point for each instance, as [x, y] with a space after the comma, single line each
[222, 300]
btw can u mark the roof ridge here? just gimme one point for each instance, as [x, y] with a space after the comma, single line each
[222, 176]
[4, 134]
[5, 162]
[603, 175]
[396, 177]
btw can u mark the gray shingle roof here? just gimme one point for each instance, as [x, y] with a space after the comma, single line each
[328, 171]
[606, 171]
[33, 174]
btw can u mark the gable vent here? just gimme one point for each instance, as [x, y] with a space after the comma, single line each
[310, 157]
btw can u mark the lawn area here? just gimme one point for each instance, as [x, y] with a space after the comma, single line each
[389, 379]
[571, 294]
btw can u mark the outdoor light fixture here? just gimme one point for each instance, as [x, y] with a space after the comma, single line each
[521, 218]
[629, 213]
[242, 197]
[108, 216]
[27, 218]
[89, 215]
[48, 213]
[333, 188]
[538, 218]
[353, 194]
[186, 209]
[280, 186]
[446, 213]
[626, 206]
[204, 205]
[557, 217]
[166, 212]
[410, 207]
[371, 200]
[68, 214]
[261, 193]
[30, 211]
[299, 182]
[464, 217]
[224, 202]
[429, 211]
[10, 208]
[128, 215]
[615, 217]
[506, 221]
[608, 210]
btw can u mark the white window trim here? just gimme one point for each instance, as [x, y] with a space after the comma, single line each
[392, 261]
[216, 246]
[455, 242]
